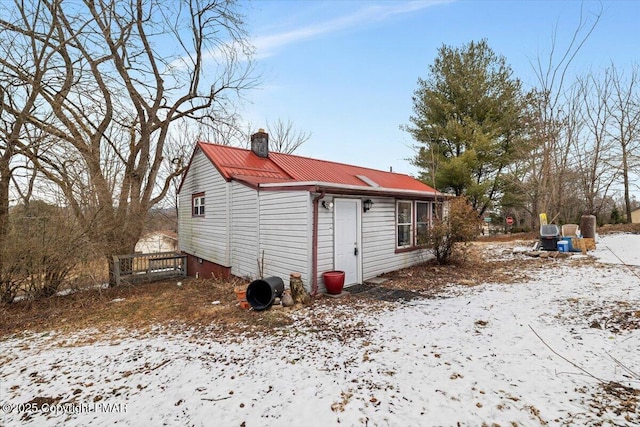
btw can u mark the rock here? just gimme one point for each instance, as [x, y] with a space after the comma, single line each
[287, 300]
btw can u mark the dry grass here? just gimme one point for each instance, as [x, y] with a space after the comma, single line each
[196, 303]
[211, 304]
[473, 269]
[509, 237]
[619, 228]
[605, 229]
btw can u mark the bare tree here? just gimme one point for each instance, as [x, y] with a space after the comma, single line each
[7, 152]
[625, 129]
[6, 155]
[177, 156]
[110, 80]
[284, 138]
[594, 152]
[15, 105]
[546, 172]
[566, 198]
[535, 178]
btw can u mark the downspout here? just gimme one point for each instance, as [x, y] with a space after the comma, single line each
[314, 245]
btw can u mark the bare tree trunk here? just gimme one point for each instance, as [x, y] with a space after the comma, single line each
[298, 292]
[4, 208]
[626, 116]
[110, 100]
[625, 179]
[594, 152]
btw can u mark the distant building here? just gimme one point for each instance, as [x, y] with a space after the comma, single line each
[635, 216]
[157, 241]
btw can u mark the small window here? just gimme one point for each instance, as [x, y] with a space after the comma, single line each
[404, 219]
[197, 203]
[423, 223]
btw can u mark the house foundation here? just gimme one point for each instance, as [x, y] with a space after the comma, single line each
[199, 267]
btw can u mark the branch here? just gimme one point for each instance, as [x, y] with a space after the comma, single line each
[564, 358]
[626, 368]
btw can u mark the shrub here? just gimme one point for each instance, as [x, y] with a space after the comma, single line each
[9, 285]
[460, 226]
[42, 247]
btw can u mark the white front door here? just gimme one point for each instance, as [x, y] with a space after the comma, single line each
[347, 252]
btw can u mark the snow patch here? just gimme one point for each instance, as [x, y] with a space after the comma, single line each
[526, 354]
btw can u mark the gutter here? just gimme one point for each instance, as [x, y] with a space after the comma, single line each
[351, 189]
[314, 245]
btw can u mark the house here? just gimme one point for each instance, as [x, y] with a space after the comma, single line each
[158, 241]
[253, 213]
[635, 216]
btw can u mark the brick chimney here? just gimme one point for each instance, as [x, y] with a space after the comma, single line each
[260, 143]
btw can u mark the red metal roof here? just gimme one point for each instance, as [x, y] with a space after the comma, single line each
[244, 165]
[232, 161]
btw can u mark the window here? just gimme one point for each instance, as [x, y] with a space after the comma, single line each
[414, 220]
[404, 220]
[197, 203]
[423, 223]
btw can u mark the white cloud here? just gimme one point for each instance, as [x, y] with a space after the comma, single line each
[268, 45]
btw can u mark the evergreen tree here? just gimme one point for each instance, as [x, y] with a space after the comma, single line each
[615, 215]
[468, 120]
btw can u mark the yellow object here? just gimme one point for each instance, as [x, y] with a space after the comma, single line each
[543, 219]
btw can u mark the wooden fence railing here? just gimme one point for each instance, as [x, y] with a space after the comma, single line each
[147, 267]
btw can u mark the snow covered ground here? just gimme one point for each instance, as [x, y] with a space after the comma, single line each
[619, 248]
[562, 349]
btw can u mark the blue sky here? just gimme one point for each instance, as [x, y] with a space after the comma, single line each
[346, 70]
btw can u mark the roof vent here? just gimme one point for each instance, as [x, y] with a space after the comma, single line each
[368, 181]
[260, 143]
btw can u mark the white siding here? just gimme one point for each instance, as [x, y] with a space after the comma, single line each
[244, 231]
[379, 241]
[206, 237]
[241, 224]
[285, 233]
[325, 241]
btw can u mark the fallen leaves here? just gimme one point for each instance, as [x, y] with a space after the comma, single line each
[339, 406]
[613, 316]
[616, 398]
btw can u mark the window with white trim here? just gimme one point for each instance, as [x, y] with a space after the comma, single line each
[404, 221]
[197, 203]
[414, 220]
